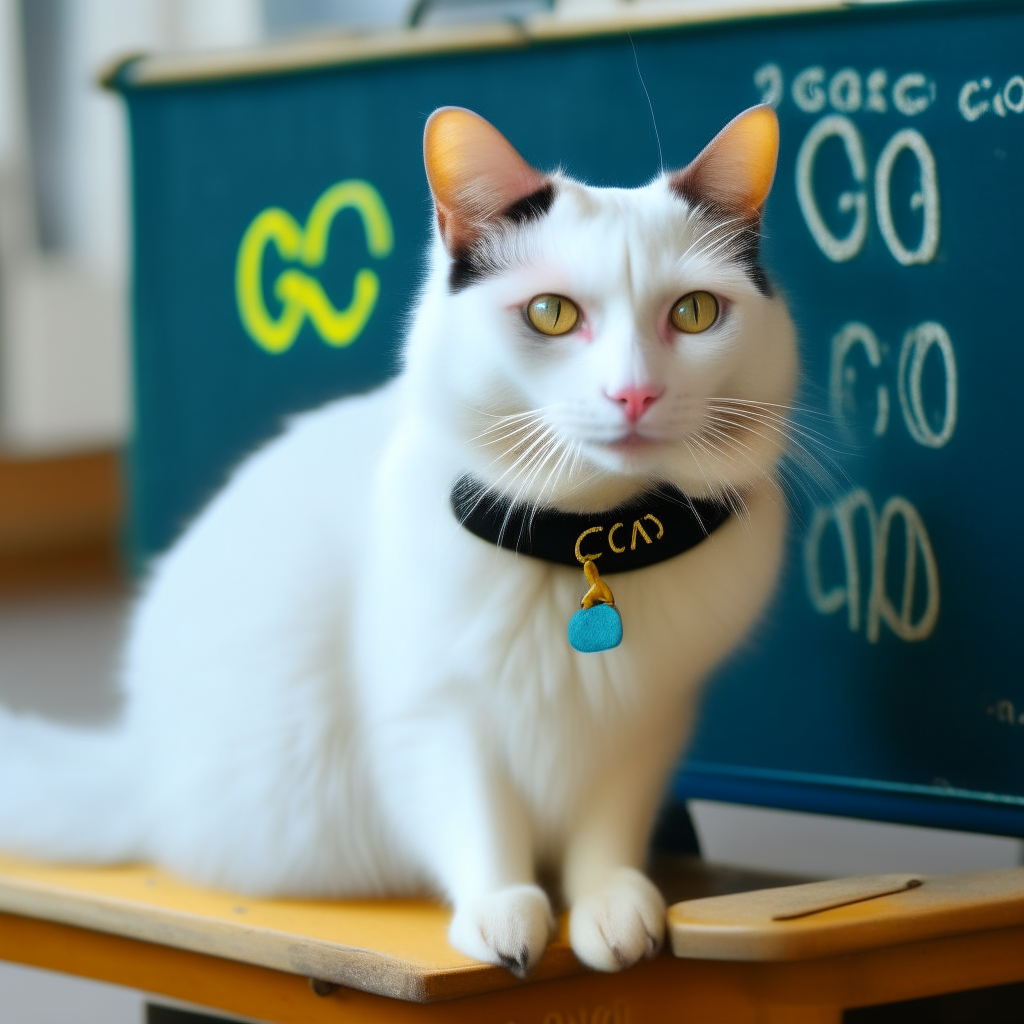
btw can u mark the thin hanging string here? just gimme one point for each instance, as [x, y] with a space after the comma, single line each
[650, 105]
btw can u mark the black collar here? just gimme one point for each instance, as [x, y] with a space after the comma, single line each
[650, 528]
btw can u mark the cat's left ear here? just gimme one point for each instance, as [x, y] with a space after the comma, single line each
[475, 174]
[736, 169]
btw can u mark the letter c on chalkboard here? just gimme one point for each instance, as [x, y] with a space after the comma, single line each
[851, 334]
[971, 109]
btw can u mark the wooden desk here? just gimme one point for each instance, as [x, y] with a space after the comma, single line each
[141, 928]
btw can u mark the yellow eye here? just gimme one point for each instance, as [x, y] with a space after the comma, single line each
[553, 314]
[695, 312]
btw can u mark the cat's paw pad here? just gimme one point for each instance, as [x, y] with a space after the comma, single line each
[510, 927]
[619, 924]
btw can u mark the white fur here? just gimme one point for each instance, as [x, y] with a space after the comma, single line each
[334, 689]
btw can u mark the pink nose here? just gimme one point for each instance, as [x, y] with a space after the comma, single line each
[636, 401]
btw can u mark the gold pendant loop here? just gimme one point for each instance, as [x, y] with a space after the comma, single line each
[599, 592]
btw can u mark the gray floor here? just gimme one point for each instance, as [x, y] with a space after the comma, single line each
[41, 997]
[59, 657]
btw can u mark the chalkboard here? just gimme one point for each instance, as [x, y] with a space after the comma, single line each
[280, 219]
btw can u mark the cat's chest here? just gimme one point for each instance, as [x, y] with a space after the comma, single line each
[445, 615]
[446, 609]
[509, 652]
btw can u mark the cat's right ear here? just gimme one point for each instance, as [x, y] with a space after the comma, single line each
[475, 174]
[736, 169]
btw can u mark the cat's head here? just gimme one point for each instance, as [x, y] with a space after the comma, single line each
[584, 342]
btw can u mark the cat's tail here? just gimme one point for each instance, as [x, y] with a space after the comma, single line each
[67, 793]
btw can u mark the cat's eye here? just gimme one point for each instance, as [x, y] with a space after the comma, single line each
[553, 314]
[694, 313]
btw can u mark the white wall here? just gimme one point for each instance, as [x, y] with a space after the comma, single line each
[102, 30]
[64, 380]
[822, 846]
[10, 95]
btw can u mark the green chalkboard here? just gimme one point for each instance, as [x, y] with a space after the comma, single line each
[886, 679]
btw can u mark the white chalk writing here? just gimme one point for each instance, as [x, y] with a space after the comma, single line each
[880, 606]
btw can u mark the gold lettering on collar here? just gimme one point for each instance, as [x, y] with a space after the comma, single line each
[637, 528]
[657, 523]
[611, 539]
[582, 558]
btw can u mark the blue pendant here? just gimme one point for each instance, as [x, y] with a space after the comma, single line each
[594, 629]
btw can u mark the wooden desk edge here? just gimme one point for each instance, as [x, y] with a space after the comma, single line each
[354, 967]
[739, 927]
[724, 992]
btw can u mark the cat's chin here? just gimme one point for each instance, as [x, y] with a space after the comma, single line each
[629, 455]
[636, 462]
[633, 444]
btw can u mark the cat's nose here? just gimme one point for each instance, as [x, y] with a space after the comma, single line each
[636, 401]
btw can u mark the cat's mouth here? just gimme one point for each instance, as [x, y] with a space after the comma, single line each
[630, 443]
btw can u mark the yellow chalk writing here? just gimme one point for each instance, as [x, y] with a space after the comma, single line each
[301, 295]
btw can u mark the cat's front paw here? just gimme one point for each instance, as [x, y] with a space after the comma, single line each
[618, 924]
[510, 927]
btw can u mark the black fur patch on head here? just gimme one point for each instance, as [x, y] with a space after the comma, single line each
[531, 207]
[680, 185]
[475, 262]
[747, 253]
[760, 279]
[465, 270]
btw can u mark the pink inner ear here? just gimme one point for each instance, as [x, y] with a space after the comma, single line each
[736, 169]
[474, 173]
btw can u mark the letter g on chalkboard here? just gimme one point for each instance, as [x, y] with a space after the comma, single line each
[301, 295]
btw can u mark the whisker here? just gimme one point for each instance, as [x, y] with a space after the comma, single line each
[771, 419]
[758, 403]
[796, 439]
[538, 464]
[726, 244]
[809, 467]
[513, 502]
[495, 488]
[518, 421]
[527, 439]
[717, 226]
[527, 457]
[727, 492]
[711, 488]
[552, 476]
[796, 436]
[726, 436]
[717, 246]
[783, 430]
[506, 431]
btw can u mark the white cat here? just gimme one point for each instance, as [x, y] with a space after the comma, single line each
[333, 688]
